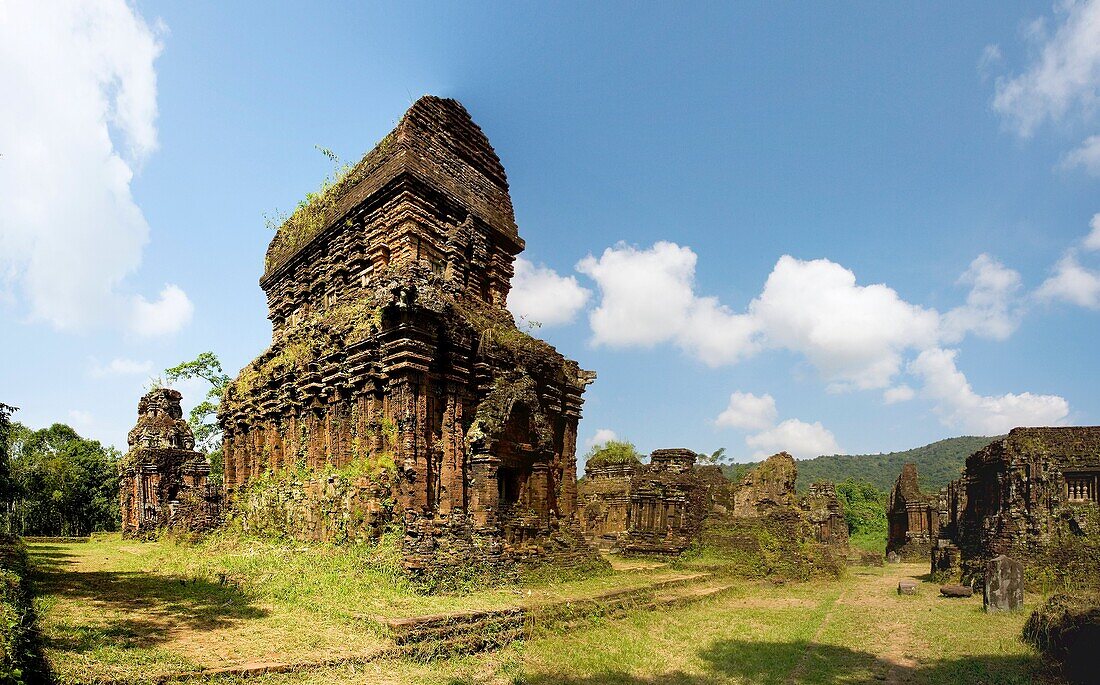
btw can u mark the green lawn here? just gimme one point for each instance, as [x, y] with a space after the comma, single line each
[119, 609]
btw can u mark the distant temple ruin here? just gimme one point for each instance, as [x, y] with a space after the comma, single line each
[666, 505]
[397, 387]
[913, 518]
[1032, 496]
[163, 480]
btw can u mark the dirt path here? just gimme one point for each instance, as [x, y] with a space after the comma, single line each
[879, 596]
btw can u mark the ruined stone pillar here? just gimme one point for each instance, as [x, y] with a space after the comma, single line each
[538, 488]
[484, 496]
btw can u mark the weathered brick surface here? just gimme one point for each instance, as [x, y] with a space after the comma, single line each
[393, 355]
[163, 480]
[1032, 496]
[665, 506]
[913, 518]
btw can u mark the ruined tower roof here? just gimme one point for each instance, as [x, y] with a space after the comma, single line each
[438, 143]
[1072, 445]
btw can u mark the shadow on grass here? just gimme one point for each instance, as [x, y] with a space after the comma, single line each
[131, 608]
[777, 663]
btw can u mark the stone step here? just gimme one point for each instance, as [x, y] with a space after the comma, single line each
[465, 632]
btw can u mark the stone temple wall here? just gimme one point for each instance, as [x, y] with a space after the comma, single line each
[1033, 496]
[913, 518]
[394, 359]
[163, 481]
[668, 505]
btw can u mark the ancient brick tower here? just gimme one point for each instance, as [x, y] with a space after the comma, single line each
[393, 355]
[163, 480]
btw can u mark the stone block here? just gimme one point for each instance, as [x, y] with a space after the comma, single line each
[1004, 584]
[907, 587]
[956, 591]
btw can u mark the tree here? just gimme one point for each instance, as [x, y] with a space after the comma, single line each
[63, 484]
[715, 457]
[864, 507]
[5, 459]
[207, 367]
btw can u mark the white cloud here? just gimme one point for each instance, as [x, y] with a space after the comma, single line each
[747, 411]
[80, 419]
[1065, 76]
[992, 308]
[601, 436]
[647, 297]
[120, 367]
[1092, 240]
[991, 57]
[900, 393]
[168, 314]
[960, 407]
[540, 294]
[1072, 283]
[1086, 156]
[83, 120]
[799, 438]
[853, 334]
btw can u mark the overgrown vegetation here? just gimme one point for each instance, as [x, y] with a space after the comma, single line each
[317, 209]
[612, 452]
[1066, 631]
[58, 482]
[865, 513]
[20, 657]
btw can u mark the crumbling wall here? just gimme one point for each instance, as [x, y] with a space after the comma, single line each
[1033, 496]
[913, 518]
[604, 501]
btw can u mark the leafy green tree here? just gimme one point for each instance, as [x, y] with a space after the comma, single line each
[715, 457]
[203, 418]
[63, 484]
[5, 460]
[864, 508]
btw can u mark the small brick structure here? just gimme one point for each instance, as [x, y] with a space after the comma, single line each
[163, 481]
[912, 516]
[666, 505]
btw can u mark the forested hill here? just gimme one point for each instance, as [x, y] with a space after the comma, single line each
[937, 464]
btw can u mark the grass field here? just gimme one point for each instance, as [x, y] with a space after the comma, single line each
[114, 609]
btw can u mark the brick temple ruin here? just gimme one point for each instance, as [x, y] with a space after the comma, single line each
[163, 480]
[1032, 496]
[666, 505]
[913, 518]
[397, 387]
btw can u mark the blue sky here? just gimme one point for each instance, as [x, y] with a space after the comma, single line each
[832, 227]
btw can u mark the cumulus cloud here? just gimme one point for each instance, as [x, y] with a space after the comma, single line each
[1065, 76]
[853, 334]
[899, 393]
[1072, 283]
[601, 436]
[540, 294]
[1085, 156]
[992, 308]
[167, 314]
[83, 120]
[1092, 240]
[120, 367]
[960, 407]
[747, 411]
[800, 439]
[647, 297]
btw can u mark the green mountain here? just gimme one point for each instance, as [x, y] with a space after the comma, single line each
[937, 464]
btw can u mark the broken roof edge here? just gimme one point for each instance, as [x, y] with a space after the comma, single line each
[430, 138]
